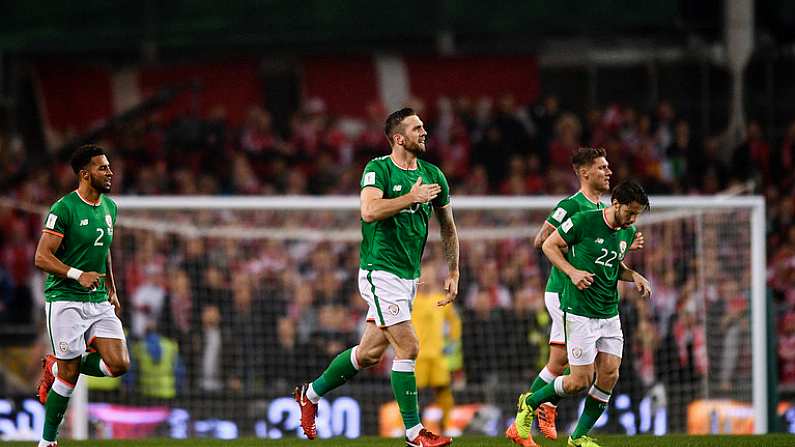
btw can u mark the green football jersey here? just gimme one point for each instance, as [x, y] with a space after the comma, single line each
[565, 209]
[87, 232]
[395, 244]
[596, 248]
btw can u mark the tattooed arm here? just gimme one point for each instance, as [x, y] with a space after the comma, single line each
[542, 235]
[450, 247]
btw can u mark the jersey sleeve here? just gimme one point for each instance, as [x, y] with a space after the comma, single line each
[58, 219]
[373, 175]
[114, 210]
[562, 211]
[444, 197]
[571, 229]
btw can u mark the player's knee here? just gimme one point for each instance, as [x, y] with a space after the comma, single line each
[577, 383]
[608, 379]
[119, 365]
[410, 350]
[69, 372]
[368, 362]
[368, 357]
[557, 367]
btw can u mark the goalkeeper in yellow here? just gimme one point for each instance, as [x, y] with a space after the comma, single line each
[431, 323]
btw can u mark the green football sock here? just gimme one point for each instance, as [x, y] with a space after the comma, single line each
[539, 383]
[404, 386]
[89, 365]
[545, 394]
[339, 371]
[593, 410]
[53, 414]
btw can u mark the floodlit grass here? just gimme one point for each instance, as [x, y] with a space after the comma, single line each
[464, 441]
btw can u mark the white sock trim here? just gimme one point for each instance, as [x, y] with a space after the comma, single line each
[598, 394]
[546, 375]
[63, 388]
[559, 386]
[413, 432]
[312, 395]
[355, 362]
[404, 366]
[104, 368]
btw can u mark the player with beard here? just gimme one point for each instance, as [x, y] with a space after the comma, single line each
[81, 303]
[399, 192]
[589, 248]
[593, 171]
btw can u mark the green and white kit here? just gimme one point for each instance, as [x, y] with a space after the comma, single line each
[391, 249]
[557, 279]
[592, 323]
[75, 314]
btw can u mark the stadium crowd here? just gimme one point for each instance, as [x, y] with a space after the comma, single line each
[245, 313]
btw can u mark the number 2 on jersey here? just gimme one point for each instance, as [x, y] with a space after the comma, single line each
[99, 243]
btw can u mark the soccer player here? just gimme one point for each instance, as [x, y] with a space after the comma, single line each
[432, 369]
[399, 191]
[593, 171]
[82, 306]
[596, 242]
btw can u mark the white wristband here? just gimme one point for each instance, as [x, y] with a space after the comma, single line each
[74, 273]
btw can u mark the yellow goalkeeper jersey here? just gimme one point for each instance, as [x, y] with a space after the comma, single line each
[434, 325]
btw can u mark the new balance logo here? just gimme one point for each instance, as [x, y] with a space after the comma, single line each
[599, 240]
[397, 187]
[84, 222]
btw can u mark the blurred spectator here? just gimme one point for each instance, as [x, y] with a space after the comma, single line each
[148, 301]
[488, 287]
[786, 349]
[212, 344]
[157, 369]
[528, 326]
[248, 328]
[752, 158]
[484, 338]
[297, 297]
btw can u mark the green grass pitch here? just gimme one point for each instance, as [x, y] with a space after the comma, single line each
[464, 441]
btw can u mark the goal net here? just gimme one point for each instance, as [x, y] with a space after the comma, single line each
[231, 302]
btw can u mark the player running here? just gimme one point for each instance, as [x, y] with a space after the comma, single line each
[398, 192]
[82, 306]
[593, 171]
[596, 242]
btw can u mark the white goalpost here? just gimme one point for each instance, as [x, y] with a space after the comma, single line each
[257, 294]
[663, 209]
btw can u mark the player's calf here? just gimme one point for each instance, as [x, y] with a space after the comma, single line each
[577, 382]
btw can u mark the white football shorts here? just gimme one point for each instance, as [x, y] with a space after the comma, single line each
[389, 297]
[556, 334]
[587, 336]
[73, 325]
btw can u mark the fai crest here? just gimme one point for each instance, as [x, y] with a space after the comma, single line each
[622, 246]
[393, 309]
[576, 352]
[63, 346]
[108, 220]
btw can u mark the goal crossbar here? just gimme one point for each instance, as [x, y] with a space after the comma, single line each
[755, 204]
